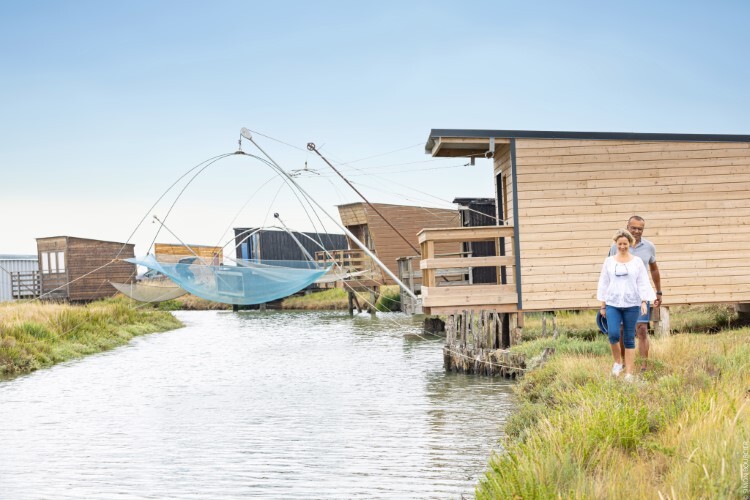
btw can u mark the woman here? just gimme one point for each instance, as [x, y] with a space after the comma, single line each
[624, 288]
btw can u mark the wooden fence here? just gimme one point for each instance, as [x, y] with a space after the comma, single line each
[25, 284]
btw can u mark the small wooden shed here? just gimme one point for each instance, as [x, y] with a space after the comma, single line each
[80, 269]
[371, 228]
[563, 194]
[172, 252]
[271, 244]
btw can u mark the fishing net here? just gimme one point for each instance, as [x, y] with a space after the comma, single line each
[250, 282]
[152, 290]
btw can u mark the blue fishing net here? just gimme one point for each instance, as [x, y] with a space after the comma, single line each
[250, 282]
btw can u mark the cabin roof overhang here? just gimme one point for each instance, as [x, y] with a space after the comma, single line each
[470, 142]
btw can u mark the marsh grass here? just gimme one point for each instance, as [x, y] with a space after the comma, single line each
[190, 302]
[336, 299]
[34, 335]
[676, 433]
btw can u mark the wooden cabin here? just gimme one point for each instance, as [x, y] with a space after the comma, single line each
[563, 194]
[271, 244]
[170, 252]
[80, 269]
[368, 224]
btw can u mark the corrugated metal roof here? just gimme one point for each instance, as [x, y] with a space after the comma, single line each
[17, 257]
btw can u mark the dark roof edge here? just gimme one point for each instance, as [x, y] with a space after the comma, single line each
[602, 136]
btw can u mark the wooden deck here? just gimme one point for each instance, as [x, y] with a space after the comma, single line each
[438, 298]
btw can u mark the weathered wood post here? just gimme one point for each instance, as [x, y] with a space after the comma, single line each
[473, 345]
[555, 331]
[516, 327]
[661, 322]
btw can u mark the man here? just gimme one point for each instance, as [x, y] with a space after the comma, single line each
[647, 253]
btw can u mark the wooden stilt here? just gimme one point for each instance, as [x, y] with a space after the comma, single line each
[472, 345]
[661, 322]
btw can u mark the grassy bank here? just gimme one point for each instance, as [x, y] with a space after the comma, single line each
[190, 302]
[36, 335]
[678, 432]
[336, 299]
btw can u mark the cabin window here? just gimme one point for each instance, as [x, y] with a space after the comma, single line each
[53, 262]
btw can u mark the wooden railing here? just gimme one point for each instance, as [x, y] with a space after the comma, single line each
[440, 299]
[25, 284]
[349, 260]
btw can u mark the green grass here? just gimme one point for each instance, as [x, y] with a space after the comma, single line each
[577, 327]
[676, 433]
[190, 302]
[36, 335]
[337, 299]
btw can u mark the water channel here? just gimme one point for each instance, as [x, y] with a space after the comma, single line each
[267, 405]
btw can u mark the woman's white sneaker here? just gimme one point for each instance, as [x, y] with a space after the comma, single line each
[616, 369]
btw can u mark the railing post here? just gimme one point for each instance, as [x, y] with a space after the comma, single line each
[428, 252]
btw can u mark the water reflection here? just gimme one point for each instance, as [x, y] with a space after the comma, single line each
[272, 405]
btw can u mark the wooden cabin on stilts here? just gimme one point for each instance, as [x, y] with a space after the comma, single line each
[559, 197]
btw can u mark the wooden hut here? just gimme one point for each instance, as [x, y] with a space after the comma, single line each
[80, 269]
[563, 194]
[368, 224]
[271, 244]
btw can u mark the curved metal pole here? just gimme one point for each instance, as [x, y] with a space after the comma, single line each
[247, 135]
[311, 147]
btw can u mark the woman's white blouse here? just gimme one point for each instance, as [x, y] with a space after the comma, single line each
[624, 285]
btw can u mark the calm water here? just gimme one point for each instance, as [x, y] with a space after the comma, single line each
[270, 405]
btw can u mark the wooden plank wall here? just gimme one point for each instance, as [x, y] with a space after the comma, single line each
[574, 194]
[52, 281]
[84, 256]
[168, 252]
[353, 214]
[389, 246]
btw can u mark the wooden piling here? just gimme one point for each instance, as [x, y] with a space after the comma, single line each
[474, 344]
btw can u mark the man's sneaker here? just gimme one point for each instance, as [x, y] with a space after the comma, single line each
[616, 369]
[629, 378]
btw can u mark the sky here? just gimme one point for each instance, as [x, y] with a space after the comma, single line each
[104, 105]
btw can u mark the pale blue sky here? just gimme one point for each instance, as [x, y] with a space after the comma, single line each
[104, 104]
